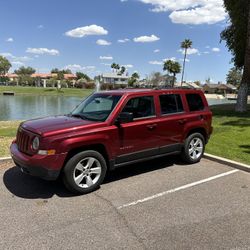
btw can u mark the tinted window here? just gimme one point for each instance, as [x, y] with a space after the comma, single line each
[170, 104]
[195, 102]
[140, 106]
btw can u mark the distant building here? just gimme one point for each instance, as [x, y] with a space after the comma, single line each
[210, 88]
[114, 79]
[190, 85]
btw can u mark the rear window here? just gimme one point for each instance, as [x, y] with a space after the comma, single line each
[170, 103]
[195, 102]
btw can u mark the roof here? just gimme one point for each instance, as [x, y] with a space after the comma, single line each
[149, 91]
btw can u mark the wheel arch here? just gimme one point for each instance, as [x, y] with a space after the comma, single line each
[200, 130]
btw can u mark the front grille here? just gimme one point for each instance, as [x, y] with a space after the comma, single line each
[23, 141]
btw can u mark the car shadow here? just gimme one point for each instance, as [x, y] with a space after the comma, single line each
[29, 187]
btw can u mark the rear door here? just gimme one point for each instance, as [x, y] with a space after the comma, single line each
[171, 123]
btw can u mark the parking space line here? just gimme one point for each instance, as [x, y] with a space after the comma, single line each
[178, 189]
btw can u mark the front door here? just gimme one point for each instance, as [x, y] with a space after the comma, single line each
[138, 139]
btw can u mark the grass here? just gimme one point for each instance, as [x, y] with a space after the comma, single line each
[231, 135]
[230, 138]
[46, 91]
[7, 134]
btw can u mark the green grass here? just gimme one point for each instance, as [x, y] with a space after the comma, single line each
[231, 135]
[7, 134]
[46, 91]
[230, 138]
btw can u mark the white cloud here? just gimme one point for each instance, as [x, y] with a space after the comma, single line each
[155, 62]
[16, 58]
[190, 51]
[106, 64]
[207, 47]
[125, 40]
[182, 60]
[123, 1]
[40, 26]
[43, 51]
[169, 58]
[156, 51]
[190, 11]
[146, 39]
[91, 30]
[10, 40]
[106, 58]
[77, 67]
[128, 66]
[17, 63]
[103, 42]
[215, 49]
[206, 52]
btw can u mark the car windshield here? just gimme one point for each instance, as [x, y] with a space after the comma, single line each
[96, 107]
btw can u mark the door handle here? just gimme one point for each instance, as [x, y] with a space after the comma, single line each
[182, 121]
[151, 126]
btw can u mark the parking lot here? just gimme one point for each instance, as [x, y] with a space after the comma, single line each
[160, 204]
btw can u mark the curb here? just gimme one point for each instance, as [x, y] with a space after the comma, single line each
[230, 163]
[3, 159]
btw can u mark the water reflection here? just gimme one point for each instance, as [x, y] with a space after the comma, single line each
[27, 107]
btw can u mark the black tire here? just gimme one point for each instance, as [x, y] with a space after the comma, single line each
[72, 174]
[186, 154]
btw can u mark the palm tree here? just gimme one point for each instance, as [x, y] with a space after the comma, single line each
[173, 68]
[186, 44]
[113, 66]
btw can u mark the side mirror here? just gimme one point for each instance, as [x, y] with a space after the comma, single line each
[124, 117]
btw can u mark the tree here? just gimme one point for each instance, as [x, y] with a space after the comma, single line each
[133, 79]
[173, 68]
[5, 65]
[123, 69]
[55, 71]
[115, 67]
[24, 75]
[237, 37]
[186, 44]
[80, 75]
[234, 76]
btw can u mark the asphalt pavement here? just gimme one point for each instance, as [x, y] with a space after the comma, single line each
[160, 204]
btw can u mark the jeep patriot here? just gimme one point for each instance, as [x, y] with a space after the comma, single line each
[112, 129]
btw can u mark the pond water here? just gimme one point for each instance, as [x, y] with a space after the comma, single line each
[28, 107]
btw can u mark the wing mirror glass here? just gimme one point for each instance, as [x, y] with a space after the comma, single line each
[124, 117]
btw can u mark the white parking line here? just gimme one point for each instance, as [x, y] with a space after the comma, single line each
[177, 189]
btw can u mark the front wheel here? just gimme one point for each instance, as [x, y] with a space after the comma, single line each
[193, 149]
[84, 172]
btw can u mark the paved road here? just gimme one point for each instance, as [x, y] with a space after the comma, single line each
[160, 204]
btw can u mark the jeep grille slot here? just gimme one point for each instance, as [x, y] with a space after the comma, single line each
[23, 141]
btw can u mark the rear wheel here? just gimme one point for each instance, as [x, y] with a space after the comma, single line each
[194, 147]
[84, 172]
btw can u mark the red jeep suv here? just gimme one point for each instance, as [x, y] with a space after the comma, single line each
[112, 129]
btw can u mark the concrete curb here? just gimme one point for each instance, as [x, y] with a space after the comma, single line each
[230, 163]
[3, 159]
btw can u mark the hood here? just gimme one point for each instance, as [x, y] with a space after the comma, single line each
[55, 124]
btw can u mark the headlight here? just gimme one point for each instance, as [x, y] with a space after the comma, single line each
[35, 143]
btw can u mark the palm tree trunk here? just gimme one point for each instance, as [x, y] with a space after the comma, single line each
[173, 79]
[241, 105]
[183, 66]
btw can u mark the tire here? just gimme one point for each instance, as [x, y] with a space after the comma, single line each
[193, 149]
[84, 172]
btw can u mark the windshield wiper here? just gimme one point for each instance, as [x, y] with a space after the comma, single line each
[80, 116]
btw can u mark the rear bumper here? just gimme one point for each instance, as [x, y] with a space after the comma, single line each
[45, 167]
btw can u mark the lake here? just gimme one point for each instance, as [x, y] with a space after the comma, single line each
[27, 107]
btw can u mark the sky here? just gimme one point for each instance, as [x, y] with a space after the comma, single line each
[89, 35]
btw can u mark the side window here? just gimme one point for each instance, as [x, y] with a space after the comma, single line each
[170, 103]
[140, 107]
[195, 102]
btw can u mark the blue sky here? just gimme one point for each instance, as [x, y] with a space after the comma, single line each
[89, 35]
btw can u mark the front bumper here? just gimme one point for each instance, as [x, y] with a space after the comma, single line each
[47, 167]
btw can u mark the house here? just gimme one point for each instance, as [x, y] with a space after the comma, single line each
[189, 85]
[114, 78]
[210, 88]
